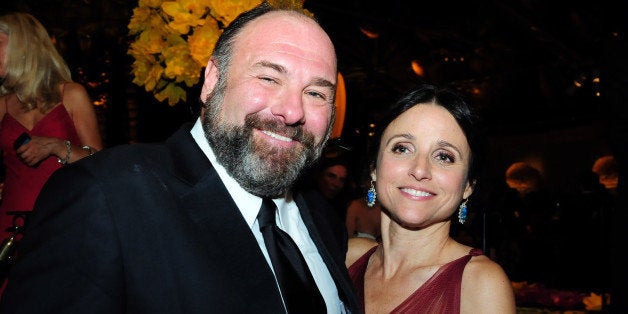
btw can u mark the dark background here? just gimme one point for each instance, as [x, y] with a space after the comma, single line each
[517, 61]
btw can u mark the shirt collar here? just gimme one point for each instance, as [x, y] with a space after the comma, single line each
[248, 203]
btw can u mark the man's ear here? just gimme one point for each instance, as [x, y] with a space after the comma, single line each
[211, 78]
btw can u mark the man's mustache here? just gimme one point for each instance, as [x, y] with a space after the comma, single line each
[295, 132]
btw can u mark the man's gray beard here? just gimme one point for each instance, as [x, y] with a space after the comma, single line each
[260, 169]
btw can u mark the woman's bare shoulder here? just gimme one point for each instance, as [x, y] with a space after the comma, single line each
[74, 94]
[357, 247]
[486, 287]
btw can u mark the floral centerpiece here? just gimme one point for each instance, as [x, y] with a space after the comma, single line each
[538, 296]
[173, 40]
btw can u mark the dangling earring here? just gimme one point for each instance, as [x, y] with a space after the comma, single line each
[462, 212]
[371, 196]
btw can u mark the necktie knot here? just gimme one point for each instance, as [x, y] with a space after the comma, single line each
[266, 215]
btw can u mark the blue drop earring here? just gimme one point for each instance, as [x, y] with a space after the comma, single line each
[462, 212]
[371, 196]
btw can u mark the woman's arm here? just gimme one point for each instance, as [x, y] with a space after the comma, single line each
[80, 107]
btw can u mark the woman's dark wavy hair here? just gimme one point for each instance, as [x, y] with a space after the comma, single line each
[468, 120]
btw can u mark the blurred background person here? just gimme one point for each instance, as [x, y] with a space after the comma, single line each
[46, 119]
[363, 218]
[332, 177]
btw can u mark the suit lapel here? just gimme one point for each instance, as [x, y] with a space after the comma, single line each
[217, 222]
[203, 197]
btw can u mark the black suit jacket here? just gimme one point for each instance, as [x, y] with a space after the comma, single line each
[150, 228]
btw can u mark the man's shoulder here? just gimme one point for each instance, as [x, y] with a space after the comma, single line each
[316, 202]
[311, 195]
[137, 153]
[128, 154]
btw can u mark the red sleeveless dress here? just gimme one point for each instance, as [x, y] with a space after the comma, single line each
[23, 183]
[439, 294]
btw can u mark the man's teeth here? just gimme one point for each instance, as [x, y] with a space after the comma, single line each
[277, 136]
[415, 192]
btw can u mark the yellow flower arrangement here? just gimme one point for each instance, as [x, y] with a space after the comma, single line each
[173, 40]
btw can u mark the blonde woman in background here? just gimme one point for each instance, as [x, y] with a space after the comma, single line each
[46, 119]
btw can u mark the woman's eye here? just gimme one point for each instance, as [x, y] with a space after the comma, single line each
[400, 149]
[445, 157]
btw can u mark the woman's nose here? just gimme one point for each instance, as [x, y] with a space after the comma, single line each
[421, 169]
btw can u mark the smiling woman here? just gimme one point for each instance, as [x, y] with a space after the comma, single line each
[426, 168]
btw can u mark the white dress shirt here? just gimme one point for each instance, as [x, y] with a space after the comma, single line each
[288, 219]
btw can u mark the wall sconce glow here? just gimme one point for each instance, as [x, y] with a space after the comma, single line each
[341, 105]
[417, 68]
[607, 169]
[369, 34]
[524, 177]
[580, 80]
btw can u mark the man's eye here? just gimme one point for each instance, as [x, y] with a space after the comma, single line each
[318, 95]
[268, 79]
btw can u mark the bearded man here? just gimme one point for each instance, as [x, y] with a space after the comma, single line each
[173, 227]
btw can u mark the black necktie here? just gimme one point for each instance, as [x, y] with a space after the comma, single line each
[298, 288]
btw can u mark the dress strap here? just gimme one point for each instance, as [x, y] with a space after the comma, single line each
[476, 252]
[63, 90]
